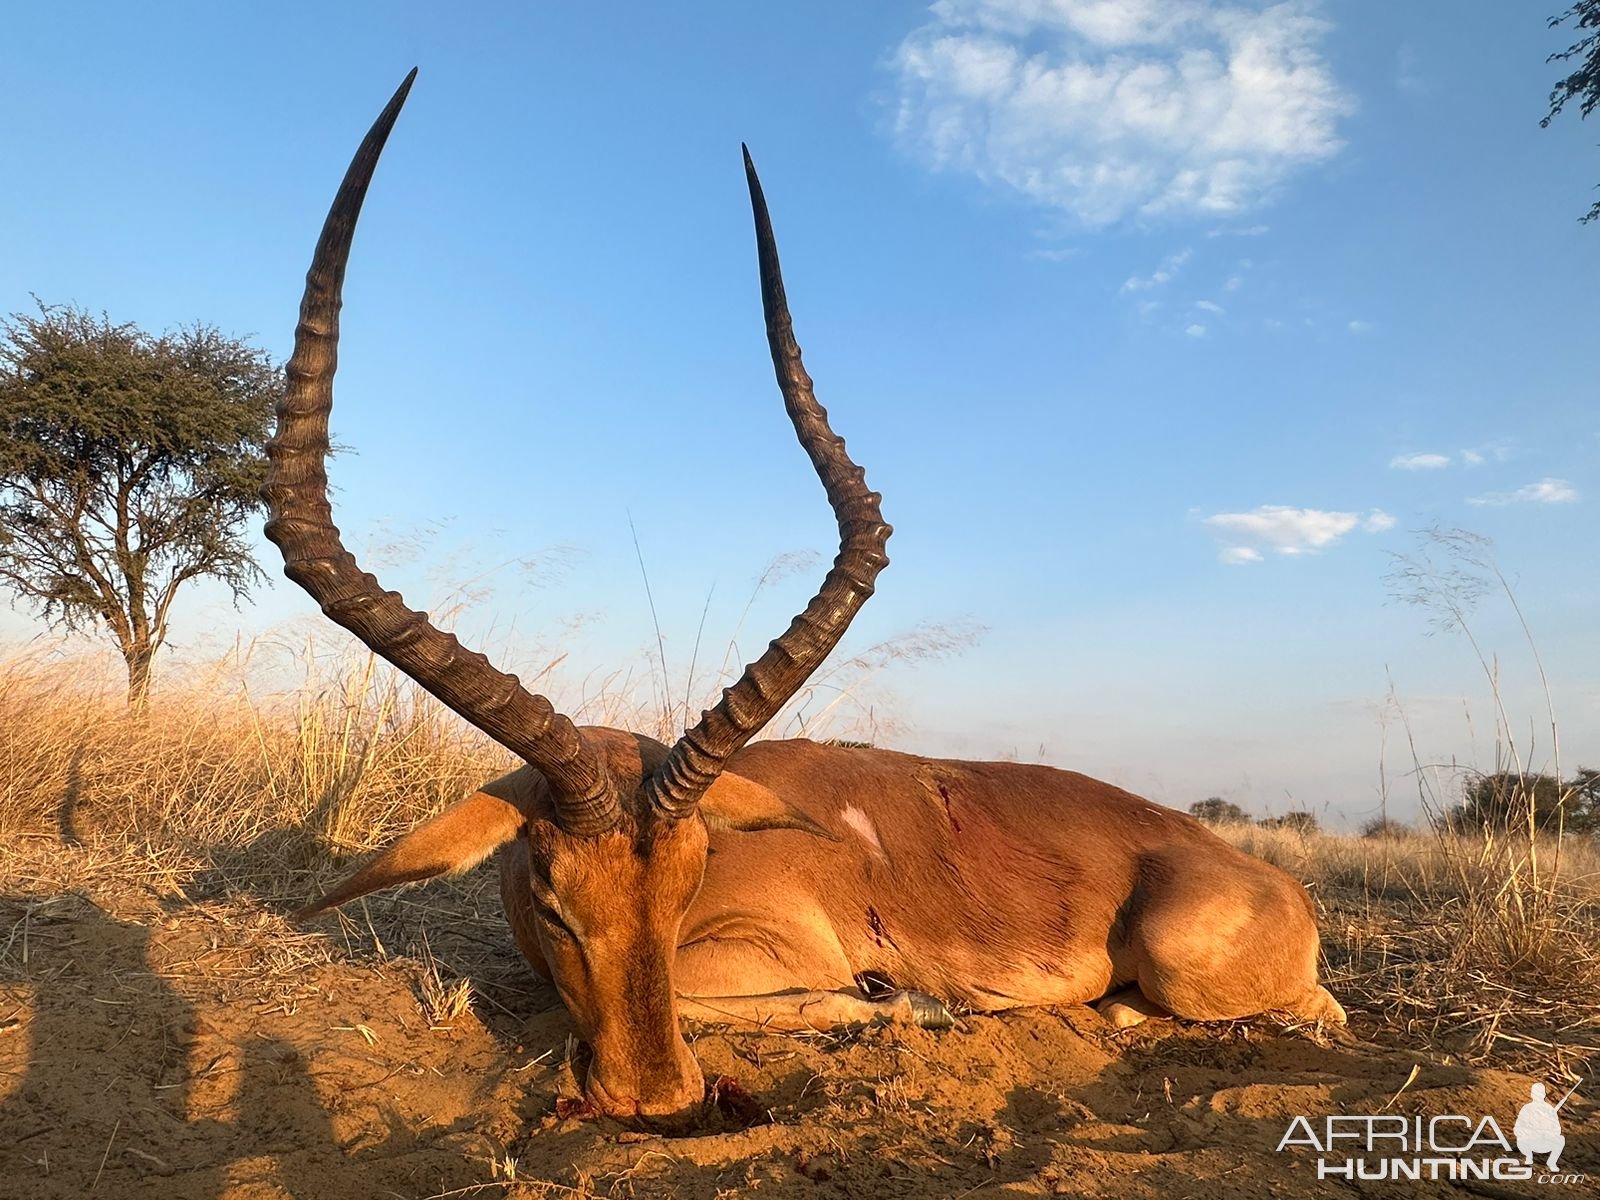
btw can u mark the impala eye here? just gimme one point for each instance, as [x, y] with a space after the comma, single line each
[552, 919]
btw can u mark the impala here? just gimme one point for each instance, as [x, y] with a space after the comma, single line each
[770, 884]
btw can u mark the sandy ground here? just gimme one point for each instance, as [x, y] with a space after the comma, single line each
[168, 1045]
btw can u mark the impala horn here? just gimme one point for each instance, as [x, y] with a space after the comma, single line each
[301, 524]
[767, 684]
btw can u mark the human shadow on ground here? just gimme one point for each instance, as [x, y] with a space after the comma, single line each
[112, 1082]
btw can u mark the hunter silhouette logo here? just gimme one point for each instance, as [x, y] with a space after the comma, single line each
[1389, 1146]
[1538, 1127]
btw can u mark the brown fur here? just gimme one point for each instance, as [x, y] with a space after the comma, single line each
[995, 885]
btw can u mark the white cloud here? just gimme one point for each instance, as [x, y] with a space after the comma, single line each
[1196, 330]
[1102, 108]
[1377, 521]
[1360, 327]
[1165, 273]
[1546, 491]
[1247, 231]
[1419, 462]
[1210, 306]
[1498, 451]
[1282, 529]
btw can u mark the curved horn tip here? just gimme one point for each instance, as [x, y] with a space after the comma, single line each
[391, 110]
[400, 93]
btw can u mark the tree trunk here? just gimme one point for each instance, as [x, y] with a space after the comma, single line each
[139, 657]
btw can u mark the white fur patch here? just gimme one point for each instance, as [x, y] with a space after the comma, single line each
[862, 826]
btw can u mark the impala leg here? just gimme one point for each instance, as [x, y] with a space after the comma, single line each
[741, 981]
[817, 1011]
[1129, 1007]
[1219, 937]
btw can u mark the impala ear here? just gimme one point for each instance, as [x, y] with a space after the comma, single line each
[459, 838]
[734, 802]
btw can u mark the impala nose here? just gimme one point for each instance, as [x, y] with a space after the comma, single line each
[669, 1110]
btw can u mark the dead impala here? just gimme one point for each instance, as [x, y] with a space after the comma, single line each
[737, 883]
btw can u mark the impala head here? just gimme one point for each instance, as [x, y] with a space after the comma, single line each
[602, 913]
[613, 825]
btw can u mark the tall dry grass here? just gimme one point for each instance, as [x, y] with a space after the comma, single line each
[344, 762]
[1450, 941]
[1490, 936]
[345, 757]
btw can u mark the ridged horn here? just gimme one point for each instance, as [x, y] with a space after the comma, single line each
[301, 524]
[675, 788]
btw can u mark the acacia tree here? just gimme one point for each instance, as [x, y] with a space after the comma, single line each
[129, 465]
[1214, 810]
[1582, 85]
[1510, 799]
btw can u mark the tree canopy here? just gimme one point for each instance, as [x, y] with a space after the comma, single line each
[129, 465]
[1508, 799]
[1385, 827]
[1581, 87]
[1297, 822]
[1214, 810]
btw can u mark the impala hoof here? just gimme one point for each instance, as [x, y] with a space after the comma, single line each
[928, 1013]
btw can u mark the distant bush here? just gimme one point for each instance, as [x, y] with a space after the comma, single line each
[1214, 810]
[1299, 822]
[1506, 799]
[1385, 827]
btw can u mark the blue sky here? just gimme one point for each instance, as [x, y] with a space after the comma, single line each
[1160, 326]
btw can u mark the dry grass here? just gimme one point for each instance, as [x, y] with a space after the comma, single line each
[443, 1000]
[334, 769]
[1454, 941]
[333, 766]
